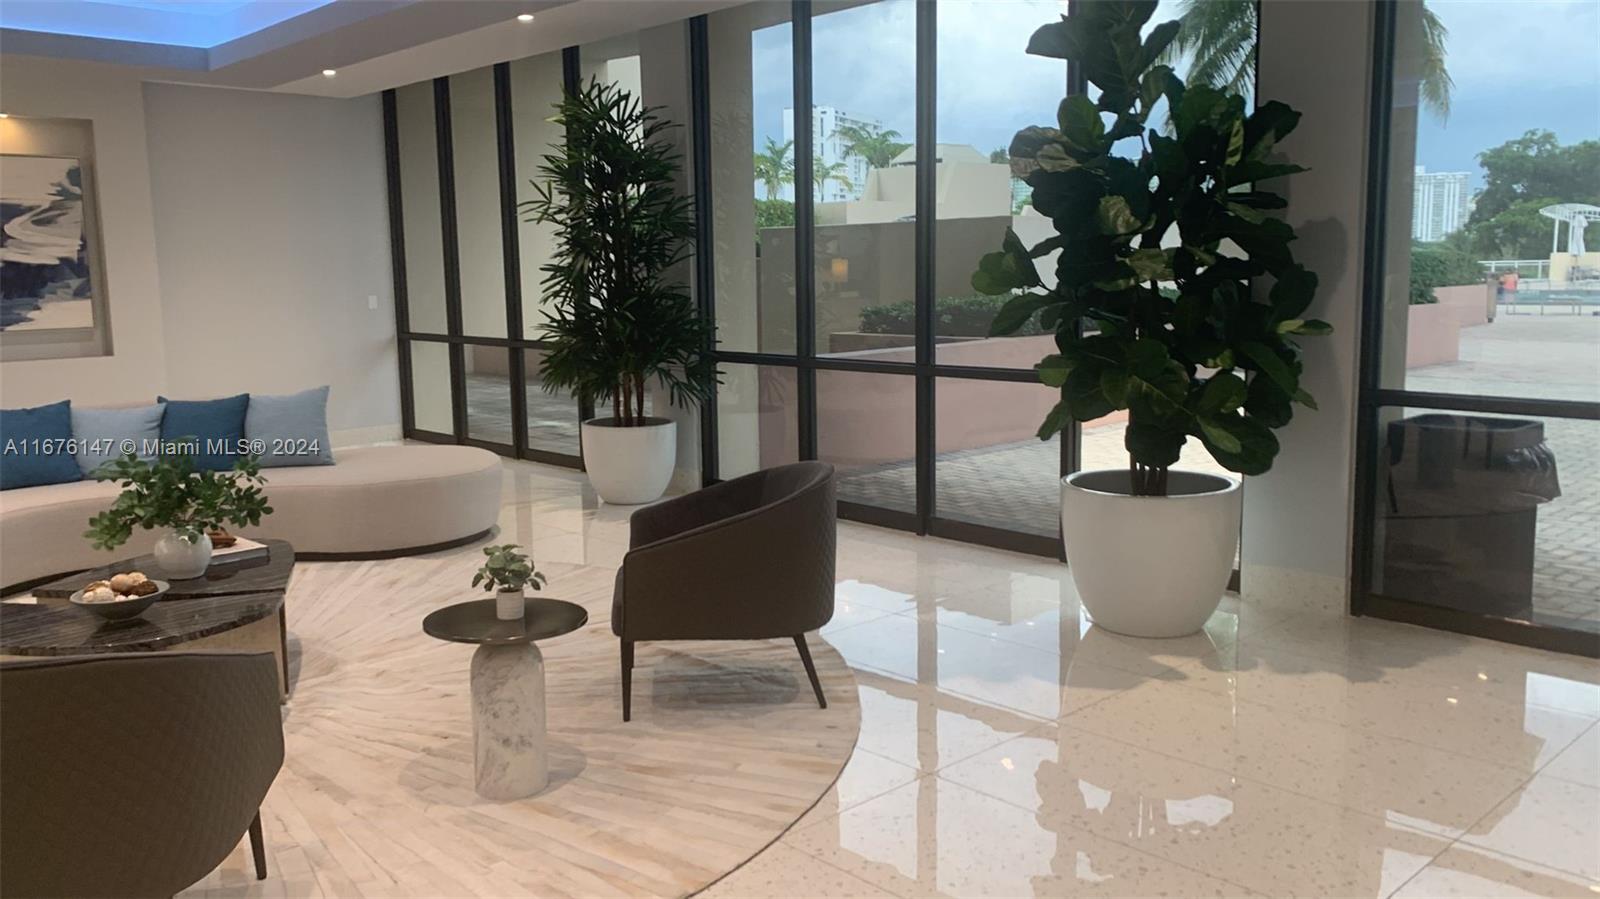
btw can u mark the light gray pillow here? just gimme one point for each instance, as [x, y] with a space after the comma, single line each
[106, 434]
[290, 430]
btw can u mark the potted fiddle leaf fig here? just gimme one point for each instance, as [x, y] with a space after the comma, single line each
[619, 316]
[506, 572]
[1153, 311]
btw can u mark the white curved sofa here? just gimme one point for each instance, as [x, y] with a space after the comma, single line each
[374, 501]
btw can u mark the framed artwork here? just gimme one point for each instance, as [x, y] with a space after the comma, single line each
[46, 283]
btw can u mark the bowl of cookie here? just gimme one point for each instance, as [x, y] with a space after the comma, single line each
[120, 597]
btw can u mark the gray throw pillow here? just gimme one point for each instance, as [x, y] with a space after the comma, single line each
[106, 434]
[291, 429]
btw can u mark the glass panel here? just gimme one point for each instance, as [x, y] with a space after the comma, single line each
[475, 149]
[430, 387]
[1490, 286]
[1490, 514]
[552, 417]
[488, 380]
[864, 177]
[752, 93]
[991, 469]
[757, 419]
[419, 203]
[987, 90]
[866, 426]
[613, 61]
[536, 88]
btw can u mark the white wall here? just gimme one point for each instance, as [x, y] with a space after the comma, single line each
[272, 235]
[1297, 517]
[243, 233]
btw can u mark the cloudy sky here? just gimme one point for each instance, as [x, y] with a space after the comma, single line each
[1517, 64]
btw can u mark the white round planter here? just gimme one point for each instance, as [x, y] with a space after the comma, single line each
[181, 559]
[628, 466]
[508, 604]
[1150, 566]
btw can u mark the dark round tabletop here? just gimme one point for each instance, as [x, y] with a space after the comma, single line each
[475, 622]
[29, 629]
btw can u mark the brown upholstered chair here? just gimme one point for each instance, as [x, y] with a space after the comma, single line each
[746, 559]
[133, 774]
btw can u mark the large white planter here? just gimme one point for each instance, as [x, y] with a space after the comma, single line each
[628, 466]
[1150, 566]
[180, 559]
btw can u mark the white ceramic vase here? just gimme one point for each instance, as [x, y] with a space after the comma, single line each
[1150, 566]
[628, 466]
[181, 559]
[508, 604]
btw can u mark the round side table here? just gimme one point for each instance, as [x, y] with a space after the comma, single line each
[508, 713]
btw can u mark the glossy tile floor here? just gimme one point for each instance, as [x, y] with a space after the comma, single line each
[1010, 748]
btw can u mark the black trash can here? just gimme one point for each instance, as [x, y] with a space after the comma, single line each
[1462, 502]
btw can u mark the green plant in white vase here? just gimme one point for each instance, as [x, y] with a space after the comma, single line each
[506, 573]
[170, 493]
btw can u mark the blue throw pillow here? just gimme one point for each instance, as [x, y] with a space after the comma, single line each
[211, 430]
[36, 446]
[106, 434]
[290, 430]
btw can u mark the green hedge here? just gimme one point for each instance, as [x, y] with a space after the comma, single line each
[1440, 266]
[967, 316]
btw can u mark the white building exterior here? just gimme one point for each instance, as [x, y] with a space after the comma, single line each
[1440, 204]
[825, 124]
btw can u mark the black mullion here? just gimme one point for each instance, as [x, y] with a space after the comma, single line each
[1477, 402]
[511, 254]
[705, 270]
[445, 143]
[805, 289]
[927, 68]
[572, 83]
[397, 259]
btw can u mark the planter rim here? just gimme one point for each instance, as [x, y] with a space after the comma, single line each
[607, 422]
[1225, 484]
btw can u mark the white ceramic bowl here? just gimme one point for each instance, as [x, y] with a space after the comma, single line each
[121, 610]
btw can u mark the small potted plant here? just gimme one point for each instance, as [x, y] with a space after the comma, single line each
[171, 493]
[506, 573]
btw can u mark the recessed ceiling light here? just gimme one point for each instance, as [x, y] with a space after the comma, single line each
[329, 73]
[525, 17]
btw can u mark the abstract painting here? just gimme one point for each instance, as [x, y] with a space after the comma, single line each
[45, 282]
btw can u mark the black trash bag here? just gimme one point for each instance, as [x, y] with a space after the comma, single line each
[1455, 465]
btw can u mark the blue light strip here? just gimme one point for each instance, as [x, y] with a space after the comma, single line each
[191, 23]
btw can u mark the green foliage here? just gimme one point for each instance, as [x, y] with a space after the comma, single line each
[1520, 177]
[1440, 265]
[619, 314]
[507, 568]
[823, 172]
[1214, 361]
[775, 166]
[171, 493]
[774, 214]
[877, 146]
[966, 316]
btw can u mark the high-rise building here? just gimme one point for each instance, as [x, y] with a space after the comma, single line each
[1439, 204]
[831, 150]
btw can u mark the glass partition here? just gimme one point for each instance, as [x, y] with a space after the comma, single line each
[479, 238]
[419, 191]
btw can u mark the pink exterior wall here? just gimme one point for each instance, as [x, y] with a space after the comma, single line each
[1470, 302]
[1433, 334]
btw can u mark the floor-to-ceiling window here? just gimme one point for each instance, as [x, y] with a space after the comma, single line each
[1480, 403]
[464, 151]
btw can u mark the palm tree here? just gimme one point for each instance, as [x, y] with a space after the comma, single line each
[774, 168]
[877, 146]
[823, 172]
[1219, 36]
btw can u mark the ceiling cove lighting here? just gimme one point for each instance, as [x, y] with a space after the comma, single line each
[178, 23]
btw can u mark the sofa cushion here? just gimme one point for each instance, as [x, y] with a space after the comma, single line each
[36, 446]
[106, 434]
[290, 429]
[216, 428]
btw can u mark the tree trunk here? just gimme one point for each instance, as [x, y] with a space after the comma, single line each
[616, 408]
[639, 388]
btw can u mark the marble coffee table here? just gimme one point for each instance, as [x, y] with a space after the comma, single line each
[508, 711]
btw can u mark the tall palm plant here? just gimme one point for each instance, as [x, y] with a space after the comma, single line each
[774, 167]
[823, 172]
[878, 146]
[1219, 36]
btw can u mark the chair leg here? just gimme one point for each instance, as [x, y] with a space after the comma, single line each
[258, 847]
[811, 670]
[627, 680]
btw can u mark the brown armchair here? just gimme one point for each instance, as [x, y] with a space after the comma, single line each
[133, 774]
[746, 559]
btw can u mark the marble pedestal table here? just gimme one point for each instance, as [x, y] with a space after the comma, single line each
[508, 710]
